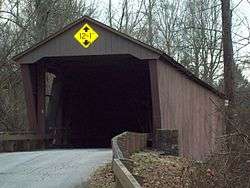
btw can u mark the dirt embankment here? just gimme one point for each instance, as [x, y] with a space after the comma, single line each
[151, 169]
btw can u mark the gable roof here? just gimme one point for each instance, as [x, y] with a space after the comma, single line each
[152, 52]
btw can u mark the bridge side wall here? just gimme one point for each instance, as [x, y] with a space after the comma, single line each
[189, 108]
[29, 83]
[34, 87]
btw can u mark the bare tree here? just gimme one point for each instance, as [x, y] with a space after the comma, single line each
[202, 39]
[129, 18]
[228, 59]
[168, 23]
[110, 13]
[149, 13]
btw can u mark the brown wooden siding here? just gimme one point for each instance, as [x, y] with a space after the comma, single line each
[41, 98]
[108, 43]
[188, 107]
[29, 81]
[156, 114]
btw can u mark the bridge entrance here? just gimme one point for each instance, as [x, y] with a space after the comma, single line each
[101, 82]
[92, 99]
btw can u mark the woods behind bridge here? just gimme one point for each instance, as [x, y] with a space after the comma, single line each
[189, 31]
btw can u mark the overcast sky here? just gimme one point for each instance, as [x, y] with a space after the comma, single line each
[244, 10]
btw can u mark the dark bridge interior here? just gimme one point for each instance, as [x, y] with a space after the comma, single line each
[93, 100]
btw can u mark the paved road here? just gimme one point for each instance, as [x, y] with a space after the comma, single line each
[50, 168]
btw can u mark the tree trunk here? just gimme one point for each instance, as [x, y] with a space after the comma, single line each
[110, 13]
[150, 22]
[228, 61]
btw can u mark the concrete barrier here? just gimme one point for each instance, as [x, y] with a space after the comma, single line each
[123, 146]
[127, 143]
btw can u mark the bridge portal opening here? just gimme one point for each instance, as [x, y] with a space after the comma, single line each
[95, 98]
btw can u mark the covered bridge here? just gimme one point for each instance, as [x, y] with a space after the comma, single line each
[105, 82]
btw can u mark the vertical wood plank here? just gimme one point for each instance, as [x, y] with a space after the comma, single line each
[156, 113]
[29, 88]
[41, 98]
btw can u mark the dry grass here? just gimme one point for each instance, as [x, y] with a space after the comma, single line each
[157, 171]
[103, 177]
[151, 170]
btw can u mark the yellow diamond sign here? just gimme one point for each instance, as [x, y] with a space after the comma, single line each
[86, 35]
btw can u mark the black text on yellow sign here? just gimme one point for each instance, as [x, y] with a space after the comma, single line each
[86, 35]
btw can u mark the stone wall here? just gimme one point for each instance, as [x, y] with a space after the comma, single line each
[167, 141]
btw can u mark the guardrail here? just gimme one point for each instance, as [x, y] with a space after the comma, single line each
[21, 141]
[123, 146]
[126, 179]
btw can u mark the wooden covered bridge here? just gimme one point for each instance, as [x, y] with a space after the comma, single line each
[103, 82]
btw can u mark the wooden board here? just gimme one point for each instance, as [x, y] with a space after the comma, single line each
[125, 178]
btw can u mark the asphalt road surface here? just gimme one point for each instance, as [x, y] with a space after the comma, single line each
[50, 168]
